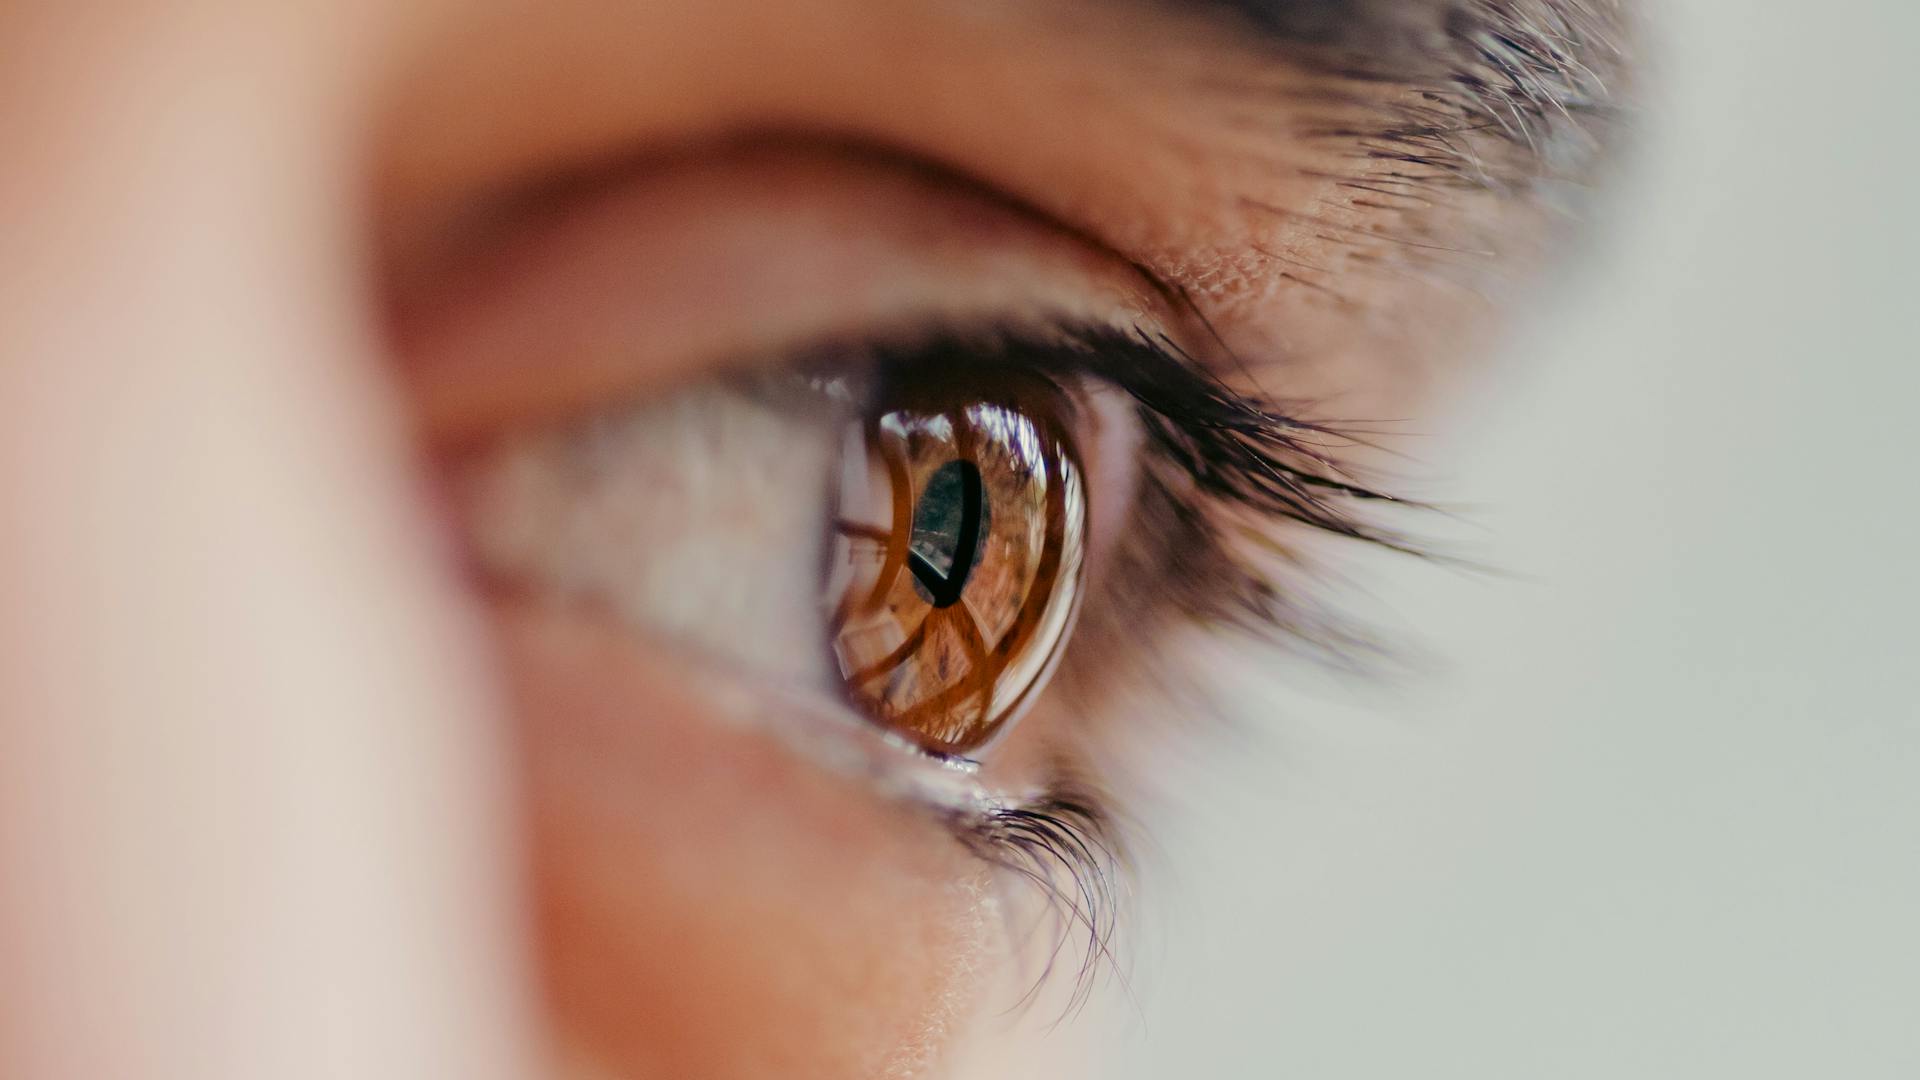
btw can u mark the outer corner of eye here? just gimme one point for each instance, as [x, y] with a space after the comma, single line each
[957, 561]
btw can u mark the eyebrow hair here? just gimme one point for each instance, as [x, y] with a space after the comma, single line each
[1540, 78]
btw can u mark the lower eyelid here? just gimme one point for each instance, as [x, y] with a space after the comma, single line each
[815, 728]
[669, 838]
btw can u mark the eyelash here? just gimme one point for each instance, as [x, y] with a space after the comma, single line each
[1220, 469]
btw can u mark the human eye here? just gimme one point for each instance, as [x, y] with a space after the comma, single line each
[850, 498]
[897, 531]
[925, 555]
[904, 526]
[762, 548]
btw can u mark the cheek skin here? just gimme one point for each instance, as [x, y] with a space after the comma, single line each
[710, 905]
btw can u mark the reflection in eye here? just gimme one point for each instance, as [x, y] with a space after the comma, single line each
[956, 567]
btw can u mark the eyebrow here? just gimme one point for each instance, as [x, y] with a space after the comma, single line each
[1541, 76]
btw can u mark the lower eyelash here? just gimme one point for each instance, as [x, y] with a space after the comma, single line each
[1061, 845]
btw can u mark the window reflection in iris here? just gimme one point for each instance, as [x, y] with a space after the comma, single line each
[939, 643]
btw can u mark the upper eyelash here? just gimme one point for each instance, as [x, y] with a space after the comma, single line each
[1249, 461]
[1223, 456]
[1238, 446]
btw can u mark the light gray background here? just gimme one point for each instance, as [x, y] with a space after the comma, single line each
[1662, 819]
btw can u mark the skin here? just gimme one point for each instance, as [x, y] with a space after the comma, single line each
[282, 791]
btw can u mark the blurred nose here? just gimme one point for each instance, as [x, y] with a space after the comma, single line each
[251, 811]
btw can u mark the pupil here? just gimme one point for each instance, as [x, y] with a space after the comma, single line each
[949, 532]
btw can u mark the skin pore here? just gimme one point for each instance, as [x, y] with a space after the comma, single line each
[285, 791]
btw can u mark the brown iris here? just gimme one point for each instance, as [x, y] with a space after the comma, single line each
[957, 560]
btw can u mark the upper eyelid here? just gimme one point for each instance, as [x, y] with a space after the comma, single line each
[656, 279]
[1233, 173]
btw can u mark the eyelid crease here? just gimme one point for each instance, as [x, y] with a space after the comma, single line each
[644, 281]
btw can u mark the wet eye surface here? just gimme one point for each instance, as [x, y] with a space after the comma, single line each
[955, 567]
[904, 537]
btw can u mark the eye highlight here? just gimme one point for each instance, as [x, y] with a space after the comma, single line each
[957, 559]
